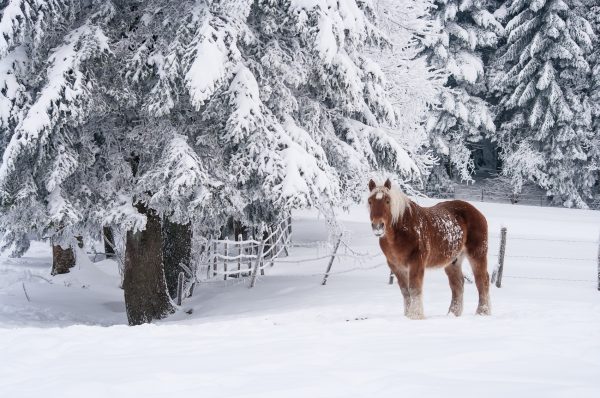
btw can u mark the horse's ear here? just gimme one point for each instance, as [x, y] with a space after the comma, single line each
[388, 184]
[372, 185]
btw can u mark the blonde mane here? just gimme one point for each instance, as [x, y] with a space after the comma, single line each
[399, 202]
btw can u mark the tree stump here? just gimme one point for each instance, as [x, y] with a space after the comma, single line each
[62, 259]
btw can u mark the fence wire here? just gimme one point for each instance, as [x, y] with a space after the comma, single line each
[279, 241]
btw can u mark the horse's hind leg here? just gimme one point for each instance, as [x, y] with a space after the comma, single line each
[478, 262]
[457, 282]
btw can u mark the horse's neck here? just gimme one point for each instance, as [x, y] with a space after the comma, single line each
[412, 211]
[410, 217]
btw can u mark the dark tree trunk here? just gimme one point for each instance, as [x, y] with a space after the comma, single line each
[177, 249]
[146, 296]
[239, 229]
[109, 241]
[62, 259]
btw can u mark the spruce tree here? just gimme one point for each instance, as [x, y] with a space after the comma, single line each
[414, 85]
[468, 29]
[147, 114]
[593, 14]
[47, 49]
[545, 118]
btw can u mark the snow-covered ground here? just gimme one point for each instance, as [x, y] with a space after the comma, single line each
[291, 337]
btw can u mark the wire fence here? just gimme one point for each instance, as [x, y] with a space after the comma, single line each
[498, 195]
[233, 262]
[361, 257]
[552, 243]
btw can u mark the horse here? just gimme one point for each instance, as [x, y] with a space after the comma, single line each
[414, 238]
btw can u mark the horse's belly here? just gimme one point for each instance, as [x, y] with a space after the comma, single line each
[446, 251]
[439, 261]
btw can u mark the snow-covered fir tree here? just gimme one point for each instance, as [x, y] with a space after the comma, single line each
[47, 49]
[545, 118]
[593, 16]
[414, 85]
[147, 113]
[286, 100]
[468, 28]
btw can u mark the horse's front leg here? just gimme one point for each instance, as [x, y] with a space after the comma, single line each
[401, 273]
[416, 274]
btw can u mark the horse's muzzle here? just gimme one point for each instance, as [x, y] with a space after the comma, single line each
[378, 229]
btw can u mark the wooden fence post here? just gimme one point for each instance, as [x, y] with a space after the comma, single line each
[257, 264]
[262, 269]
[262, 250]
[285, 233]
[250, 259]
[501, 257]
[215, 258]
[391, 281]
[273, 241]
[286, 250]
[208, 259]
[599, 264]
[239, 261]
[180, 279]
[331, 261]
[225, 261]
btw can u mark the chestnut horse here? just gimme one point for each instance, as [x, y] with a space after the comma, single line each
[414, 238]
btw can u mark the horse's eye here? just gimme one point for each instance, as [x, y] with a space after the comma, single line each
[387, 201]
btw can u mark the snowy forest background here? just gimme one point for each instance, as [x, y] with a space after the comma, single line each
[211, 118]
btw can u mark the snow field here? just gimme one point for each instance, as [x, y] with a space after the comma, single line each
[291, 337]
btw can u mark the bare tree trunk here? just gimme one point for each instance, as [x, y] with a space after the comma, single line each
[62, 259]
[144, 285]
[109, 241]
[177, 249]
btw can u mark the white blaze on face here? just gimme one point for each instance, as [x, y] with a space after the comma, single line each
[379, 195]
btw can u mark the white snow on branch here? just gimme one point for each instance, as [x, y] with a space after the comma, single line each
[65, 163]
[214, 54]
[339, 23]
[308, 177]
[11, 89]
[391, 155]
[65, 90]
[12, 24]
[179, 177]
[124, 214]
[60, 209]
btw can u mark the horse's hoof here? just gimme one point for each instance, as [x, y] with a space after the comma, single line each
[483, 310]
[415, 316]
[455, 309]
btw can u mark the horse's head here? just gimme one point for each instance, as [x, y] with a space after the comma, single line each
[380, 206]
[386, 206]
